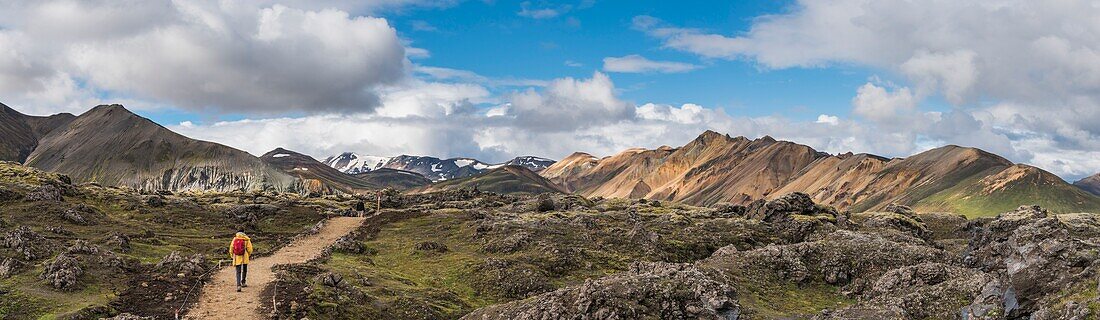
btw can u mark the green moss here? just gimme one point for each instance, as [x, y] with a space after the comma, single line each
[779, 299]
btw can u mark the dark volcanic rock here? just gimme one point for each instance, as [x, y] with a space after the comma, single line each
[9, 267]
[348, 244]
[250, 214]
[511, 279]
[46, 192]
[82, 214]
[63, 272]
[647, 290]
[174, 263]
[27, 243]
[784, 207]
[431, 246]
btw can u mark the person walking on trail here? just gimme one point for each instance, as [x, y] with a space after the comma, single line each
[240, 249]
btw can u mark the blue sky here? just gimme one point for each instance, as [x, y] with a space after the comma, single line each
[491, 39]
[496, 79]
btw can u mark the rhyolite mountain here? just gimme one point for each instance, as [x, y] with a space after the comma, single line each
[433, 168]
[113, 146]
[509, 179]
[20, 133]
[316, 177]
[717, 168]
[1090, 184]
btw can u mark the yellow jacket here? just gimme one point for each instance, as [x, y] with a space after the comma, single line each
[239, 260]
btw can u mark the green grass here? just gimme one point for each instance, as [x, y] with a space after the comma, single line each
[780, 299]
[398, 269]
[969, 199]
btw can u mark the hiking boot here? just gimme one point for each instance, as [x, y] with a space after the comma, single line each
[244, 285]
[238, 288]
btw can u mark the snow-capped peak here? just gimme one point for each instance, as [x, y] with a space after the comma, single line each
[352, 163]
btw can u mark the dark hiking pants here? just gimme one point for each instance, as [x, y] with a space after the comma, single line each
[242, 273]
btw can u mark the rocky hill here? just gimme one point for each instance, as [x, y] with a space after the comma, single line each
[316, 177]
[21, 132]
[1090, 184]
[393, 178]
[511, 179]
[717, 168]
[112, 146]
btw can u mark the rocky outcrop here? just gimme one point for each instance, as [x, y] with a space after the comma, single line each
[1038, 255]
[63, 272]
[176, 264]
[27, 243]
[647, 290]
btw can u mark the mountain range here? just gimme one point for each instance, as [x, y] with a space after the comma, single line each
[717, 168]
[110, 145]
[433, 168]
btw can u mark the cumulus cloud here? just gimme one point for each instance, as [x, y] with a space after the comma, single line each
[639, 64]
[878, 104]
[1017, 68]
[234, 56]
[827, 119]
[569, 103]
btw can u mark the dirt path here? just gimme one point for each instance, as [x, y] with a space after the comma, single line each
[219, 299]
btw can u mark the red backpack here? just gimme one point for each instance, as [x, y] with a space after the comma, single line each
[239, 248]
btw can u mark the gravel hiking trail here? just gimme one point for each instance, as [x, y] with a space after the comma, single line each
[220, 299]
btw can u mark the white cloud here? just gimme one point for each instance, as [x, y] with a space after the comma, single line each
[827, 119]
[1018, 69]
[541, 13]
[877, 104]
[233, 56]
[569, 103]
[639, 64]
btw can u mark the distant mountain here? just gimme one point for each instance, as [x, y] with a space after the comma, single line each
[432, 168]
[717, 168]
[316, 177]
[393, 178]
[1090, 184]
[532, 163]
[21, 132]
[112, 146]
[352, 163]
[510, 179]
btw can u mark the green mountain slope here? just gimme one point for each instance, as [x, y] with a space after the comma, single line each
[394, 178]
[1014, 186]
[505, 180]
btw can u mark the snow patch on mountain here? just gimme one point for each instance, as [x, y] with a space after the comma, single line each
[433, 168]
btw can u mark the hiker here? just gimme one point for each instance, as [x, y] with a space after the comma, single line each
[240, 249]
